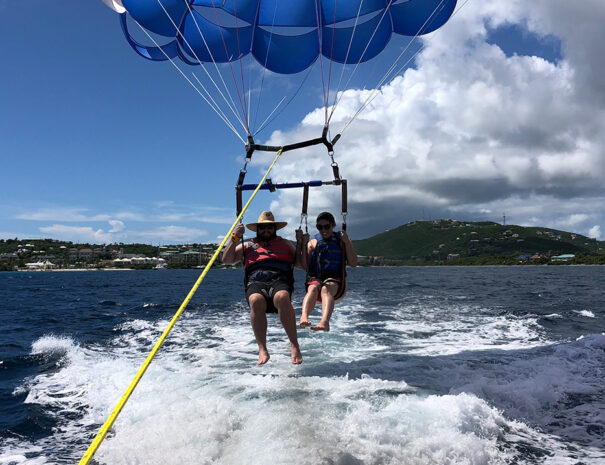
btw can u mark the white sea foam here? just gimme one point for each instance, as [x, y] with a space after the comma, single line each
[586, 313]
[425, 331]
[17, 453]
[204, 401]
[52, 344]
[538, 389]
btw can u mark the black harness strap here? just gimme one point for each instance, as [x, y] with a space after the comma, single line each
[344, 204]
[305, 203]
[343, 273]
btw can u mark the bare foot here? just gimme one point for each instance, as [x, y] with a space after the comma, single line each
[263, 357]
[321, 327]
[296, 355]
[304, 323]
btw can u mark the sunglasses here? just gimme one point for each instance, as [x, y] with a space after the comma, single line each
[266, 226]
[323, 227]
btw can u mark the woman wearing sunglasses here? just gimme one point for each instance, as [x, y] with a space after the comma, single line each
[327, 256]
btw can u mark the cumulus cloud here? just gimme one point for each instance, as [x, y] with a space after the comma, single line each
[116, 226]
[163, 222]
[119, 233]
[470, 129]
[8, 235]
[77, 233]
[63, 214]
[164, 211]
[595, 232]
[175, 234]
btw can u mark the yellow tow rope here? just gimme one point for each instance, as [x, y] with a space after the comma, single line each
[87, 457]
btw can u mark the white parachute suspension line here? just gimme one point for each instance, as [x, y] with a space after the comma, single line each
[387, 76]
[249, 99]
[215, 105]
[235, 83]
[396, 73]
[342, 71]
[226, 121]
[262, 126]
[270, 117]
[217, 109]
[216, 66]
[362, 55]
[232, 108]
[262, 77]
[321, 63]
[267, 121]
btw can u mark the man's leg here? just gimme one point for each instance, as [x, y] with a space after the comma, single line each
[281, 300]
[308, 304]
[328, 291]
[258, 319]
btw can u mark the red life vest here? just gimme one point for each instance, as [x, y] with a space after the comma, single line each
[276, 250]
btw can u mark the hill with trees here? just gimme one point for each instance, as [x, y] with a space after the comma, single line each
[458, 242]
[440, 242]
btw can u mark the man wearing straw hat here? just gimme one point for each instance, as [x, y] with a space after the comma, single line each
[269, 261]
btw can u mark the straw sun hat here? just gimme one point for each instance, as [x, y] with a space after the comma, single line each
[266, 218]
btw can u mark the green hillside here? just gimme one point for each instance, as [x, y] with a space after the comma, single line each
[435, 241]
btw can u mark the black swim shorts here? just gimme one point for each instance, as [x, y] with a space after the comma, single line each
[268, 288]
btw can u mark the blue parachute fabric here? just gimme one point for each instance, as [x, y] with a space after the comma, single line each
[285, 54]
[282, 35]
[214, 43]
[421, 16]
[244, 10]
[185, 58]
[161, 53]
[344, 10]
[151, 15]
[289, 13]
[379, 27]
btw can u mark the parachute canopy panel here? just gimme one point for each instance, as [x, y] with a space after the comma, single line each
[208, 42]
[283, 36]
[162, 18]
[417, 17]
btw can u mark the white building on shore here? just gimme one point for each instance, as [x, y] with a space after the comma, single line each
[41, 265]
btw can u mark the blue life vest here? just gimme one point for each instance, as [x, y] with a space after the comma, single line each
[326, 259]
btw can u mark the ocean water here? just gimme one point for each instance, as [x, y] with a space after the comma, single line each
[490, 365]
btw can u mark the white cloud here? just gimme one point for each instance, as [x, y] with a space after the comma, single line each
[472, 129]
[538, 210]
[63, 214]
[119, 233]
[131, 216]
[595, 232]
[77, 234]
[575, 219]
[8, 235]
[116, 226]
[165, 234]
[165, 211]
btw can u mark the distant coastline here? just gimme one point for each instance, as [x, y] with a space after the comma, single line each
[420, 243]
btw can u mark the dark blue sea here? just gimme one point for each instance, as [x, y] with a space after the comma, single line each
[470, 365]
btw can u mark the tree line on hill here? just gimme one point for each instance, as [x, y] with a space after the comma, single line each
[451, 242]
[440, 242]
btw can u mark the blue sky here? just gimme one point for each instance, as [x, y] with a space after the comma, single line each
[98, 144]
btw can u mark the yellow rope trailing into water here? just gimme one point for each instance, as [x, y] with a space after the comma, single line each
[87, 457]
